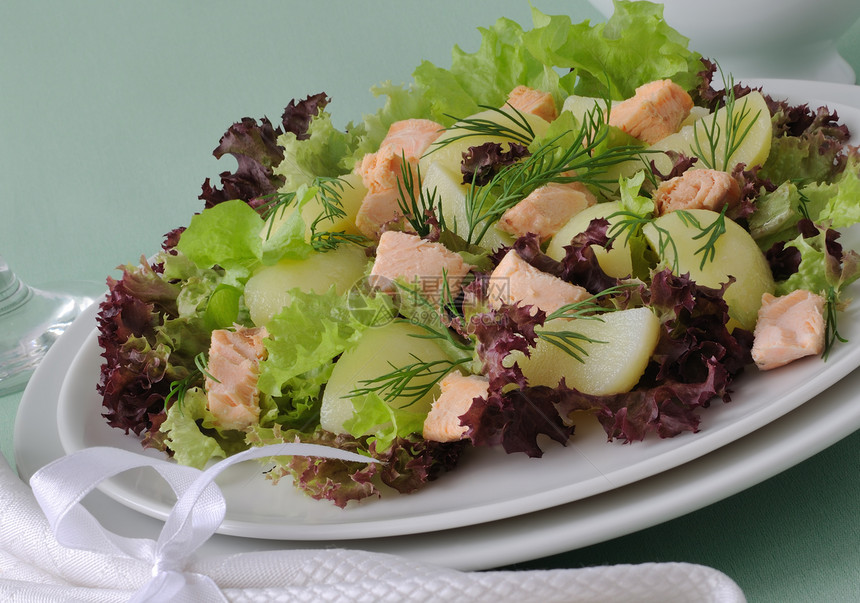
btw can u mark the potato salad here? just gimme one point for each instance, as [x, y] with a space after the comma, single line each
[576, 222]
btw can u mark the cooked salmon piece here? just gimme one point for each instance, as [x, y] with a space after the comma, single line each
[515, 280]
[380, 171]
[536, 102]
[789, 327]
[697, 189]
[376, 210]
[457, 393]
[408, 257]
[546, 209]
[231, 382]
[406, 139]
[655, 111]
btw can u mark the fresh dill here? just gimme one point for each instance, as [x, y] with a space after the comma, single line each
[410, 382]
[179, 388]
[630, 225]
[329, 194]
[572, 161]
[713, 231]
[520, 131]
[417, 204]
[831, 332]
[431, 317]
[589, 306]
[731, 133]
[415, 380]
[803, 204]
[570, 342]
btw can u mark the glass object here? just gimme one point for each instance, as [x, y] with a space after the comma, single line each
[31, 320]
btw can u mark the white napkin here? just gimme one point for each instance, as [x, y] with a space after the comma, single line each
[61, 553]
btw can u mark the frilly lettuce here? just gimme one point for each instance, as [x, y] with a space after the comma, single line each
[191, 446]
[840, 197]
[608, 57]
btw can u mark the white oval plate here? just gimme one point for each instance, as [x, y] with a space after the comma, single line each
[488, 485]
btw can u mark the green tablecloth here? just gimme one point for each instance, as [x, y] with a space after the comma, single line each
[109, 113]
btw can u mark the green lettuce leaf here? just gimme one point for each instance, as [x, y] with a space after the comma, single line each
[374, 417]
[324, 152]
[819, 270]
[608, 57]
[840, 198]
[226, 235]
[191, 446]
[308, 335]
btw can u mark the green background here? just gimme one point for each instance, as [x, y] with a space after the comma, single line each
[109, 112]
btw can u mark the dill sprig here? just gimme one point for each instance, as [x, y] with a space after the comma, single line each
[400, 382]
[831, 332]
[550, 162]
[713, 231]
[415, 380]
[329, 193]
[803, 205]
[589, 306]
[416, 204]
[431, 317]
[179, 388]
[733, 136]
[521, 131]
[631, 224]
[569, 341]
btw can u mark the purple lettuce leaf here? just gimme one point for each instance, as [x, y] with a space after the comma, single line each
[482, 162]
[579, 265]
[136, 373]
[255, 147]
[514, 419]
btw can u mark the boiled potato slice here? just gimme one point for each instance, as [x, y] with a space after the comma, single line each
[579, 106]
[616, 262]
[267, 291]
[752, 151]
[614, 361]
[379, 351]
[736, 254]
[451, 195]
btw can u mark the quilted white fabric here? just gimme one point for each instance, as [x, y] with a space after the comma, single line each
[35, 566]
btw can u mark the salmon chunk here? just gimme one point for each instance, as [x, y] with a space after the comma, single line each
[407, 139]
[546, 209]
[515, 280]
[788, 328]
[231, 382]
[697, 189]
[457, 393]
[376, 210]
[408, 257]
[536, 102]
[380, 171]
[655, 111]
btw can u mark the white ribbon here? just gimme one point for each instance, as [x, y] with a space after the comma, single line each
[60, 486]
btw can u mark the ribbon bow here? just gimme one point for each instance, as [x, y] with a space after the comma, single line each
[60, 486]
